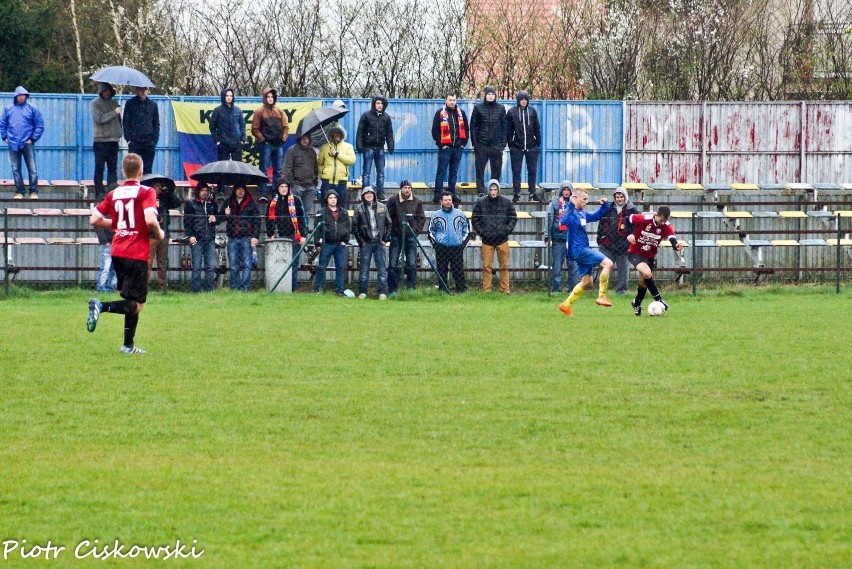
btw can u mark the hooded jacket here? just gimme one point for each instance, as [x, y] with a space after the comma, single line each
[300, 166]
[269, 123]
[279, 220]
[244, 220]
[167, 200]
[141, 121]
[362, 226]
[524, 129]
[335, 169]
[494, 219]
[375, 129]
[196, 214]
[334, 230]
[555, 209]
[21, 123]
[488, 122]
[106, 123]
[398, 210]
[615, 226]
[227, 124]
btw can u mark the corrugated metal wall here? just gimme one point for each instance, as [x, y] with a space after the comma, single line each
[591, 141]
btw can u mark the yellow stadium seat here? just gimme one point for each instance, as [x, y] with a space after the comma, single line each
[745, 187]
[688, 186]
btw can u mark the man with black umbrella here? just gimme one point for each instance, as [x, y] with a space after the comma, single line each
[142, 127]
[159, 249]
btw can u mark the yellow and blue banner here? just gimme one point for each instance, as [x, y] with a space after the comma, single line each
[192, 121]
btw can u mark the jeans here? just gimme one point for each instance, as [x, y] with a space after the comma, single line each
[339, 187]
[491, 155]
[448, 158]
[28, 153]
[330, 250]
[368, 252]
[203, 257]
[270, 155]
[308, 194]
[107, 281]
[146, 152]
[502, 261]
[396, 251]
[559, 258]
[376, 155]
[622, 265]
[239, 257]
[452, 257]
[224, 152]
[517, 157]
[106, 154]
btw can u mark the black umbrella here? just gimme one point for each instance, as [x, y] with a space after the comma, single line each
[229, 172]
[121, 75]
[168, 183]
[317, 118]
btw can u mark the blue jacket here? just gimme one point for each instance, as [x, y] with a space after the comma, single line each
[449, 228]
[575, 220]
[227, 124]
[21, 123]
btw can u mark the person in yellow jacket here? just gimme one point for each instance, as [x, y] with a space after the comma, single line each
[335, 158]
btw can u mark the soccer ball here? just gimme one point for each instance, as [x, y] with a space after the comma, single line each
[656, 308]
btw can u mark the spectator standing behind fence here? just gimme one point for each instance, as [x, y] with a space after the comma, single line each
[242, 217]
[449, 233]
[524, 136]
[372, 228]
[450, 133]
[106, 126]
[404, 207]
[286, 219]
[107, 281]
[20, 128]
[270, 129]
[142, 127]
[335, 158]
[613, 229]
[159, 248]
[375, 131]
[488, 136]
[199, 222]
[494, 219]
[558, 235]
[228, 128]
[301, 173]
[333, 239]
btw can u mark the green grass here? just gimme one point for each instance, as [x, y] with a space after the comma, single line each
[473, 431]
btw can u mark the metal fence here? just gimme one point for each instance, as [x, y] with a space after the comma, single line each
[588, 141]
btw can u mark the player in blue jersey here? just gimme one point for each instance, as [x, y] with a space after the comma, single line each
[587, 259]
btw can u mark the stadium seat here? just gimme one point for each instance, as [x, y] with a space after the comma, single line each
[784, 243]
[61, 241]
[78, 211]
[19, 211]
[523, 215]
[635, 186]
[419, 186]
[64, 183]
[681, 215]
[47, 211]
[685, 186]
[88, 241]
[792, 214]
[738, 214]
[746, 186]
[846, 186]
[30, 241]
[583, 186]
[663, 187]
[729, 243]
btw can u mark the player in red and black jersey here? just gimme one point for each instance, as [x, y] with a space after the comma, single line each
[130, 210]
[649, 230]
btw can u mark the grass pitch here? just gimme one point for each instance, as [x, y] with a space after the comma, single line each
[472, 431]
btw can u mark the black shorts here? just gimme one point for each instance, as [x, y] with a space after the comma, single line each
[636, 259]
[132, 278]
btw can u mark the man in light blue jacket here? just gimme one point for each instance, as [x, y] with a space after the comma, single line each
[21, 127]
[449, 233]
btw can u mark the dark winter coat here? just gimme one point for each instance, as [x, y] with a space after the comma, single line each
[494, 219]
[453, 119]
[227, 124]
[488, 123]
[615, 226]
[361, 226]
[141, 122]
[398, 210]
[282, 224]
[334, 231]
[375, 129]
[167, 200]
[300, 166]
[196, 222]
[244, 220]
[522, 125]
